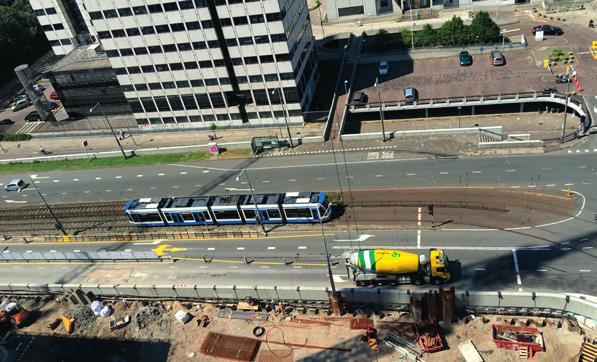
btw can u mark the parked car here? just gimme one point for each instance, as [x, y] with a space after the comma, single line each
[20, 104]
[38, 87]
[15, 185]
[359, 98]
[497, 58]
[6, 121]
[548, 30]
[50, 105]
[32, 117]
[54, 96]
[383, 68]
[465, 58]
[411, 94]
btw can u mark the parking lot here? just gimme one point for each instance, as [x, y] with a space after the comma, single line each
[445, 78]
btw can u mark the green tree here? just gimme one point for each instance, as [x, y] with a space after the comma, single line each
[426, 37]
[483, 30]
[453, 32]
[21, 37]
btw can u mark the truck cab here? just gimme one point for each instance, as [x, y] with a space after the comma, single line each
[438, 266]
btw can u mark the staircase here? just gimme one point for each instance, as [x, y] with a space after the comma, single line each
[486, 136]
[588, 352]
[523, 352]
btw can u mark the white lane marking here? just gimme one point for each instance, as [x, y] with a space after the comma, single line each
[153, 188]
[411, 174]
[161, 174]
[108, 190]
[222, 184]
[582, 166]
[128, 249]
[36, 177]
[183, 172]
[98, 178]
[6, 251]
[15, 202]
[211, 249]
[175, 187]
[419, 230]
[584, 271]
[202, 266]
[139, 175]
[582, 207]
[320, 178]
[75, 179]
[205, 171]
[291, 180]
[233, 266]
[378, 175]
[271, 248]
[63, 193]
[264, 266]
[129, 189]
[465, 248]
[118, 177]
[510, 170]
[550, 185]
[55, 180]
[265, 181]
[587, 247]
[516, 268]
[240, 248]
[584, 239]
[297, 267]
[87, 192]
[302, 247]
[565, 243]
[198, 185]
[52, 251]
[514, 187]
[480, 269]
[361, 237]
[476, 171]
[338, 278]
[532, 186]
[29, 251]
[569, 184]
[541, 270]
[76, 251]
[443, 173]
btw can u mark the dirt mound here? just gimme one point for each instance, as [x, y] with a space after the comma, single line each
[84, 317]
[153, 316]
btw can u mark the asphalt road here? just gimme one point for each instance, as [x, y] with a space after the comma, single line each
[560, 256]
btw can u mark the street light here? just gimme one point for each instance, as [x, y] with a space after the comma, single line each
[565, 110]
[346, 87]
[459, 108]
[57, 223]
[109, 125]
[383, 128]
[257, 217]
[412, 29]
[285, 119]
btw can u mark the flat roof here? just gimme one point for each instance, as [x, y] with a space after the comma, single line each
[228, 200]
[301, 197]
[82, 58]
[146, 203]
[182, 202]
[263, 199]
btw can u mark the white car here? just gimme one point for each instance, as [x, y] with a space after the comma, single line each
[15, 185]
[384, 68]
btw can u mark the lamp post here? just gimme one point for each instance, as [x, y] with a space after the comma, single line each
[565, 112]
[346, 87]
[381, 115]
[109, 125]
[257, 217]
[459, 108]
[412, 29]
[285, 118]
[327, 255]
[57, 223]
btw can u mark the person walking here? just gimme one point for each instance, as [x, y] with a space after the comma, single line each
[42, 150]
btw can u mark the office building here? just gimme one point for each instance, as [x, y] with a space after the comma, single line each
[194, 63]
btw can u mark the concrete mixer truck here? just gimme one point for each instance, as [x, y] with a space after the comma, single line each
[391, 267]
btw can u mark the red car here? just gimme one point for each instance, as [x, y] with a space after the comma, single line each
[54, 96]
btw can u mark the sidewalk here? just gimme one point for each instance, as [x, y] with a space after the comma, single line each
[179, 141]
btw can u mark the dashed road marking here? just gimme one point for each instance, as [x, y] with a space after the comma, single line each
[183, 172]
[587, 247]
[265, 181]
[378, 175]
[302, 247]
[584, 271]
[271, 248]
[550, 185]
[411, 174]
[541, 270]
[76, 251]
[139, 175]
[373, 155]
[264, 266]
[240, 248]
[75, 179]
[87, 192]
[211, 249]
[161, 174]
[175, 187]
[320, 178]
[514, 187]
[532, 186]
[443, 173]
[98, 178]
[118, 177]
[291, 180]
[477, 171]
[569, 184]
[480, 269]
[583, 166]
[205, 171]
[55, 180]
[510, 170]
[108, 190]
[129, 189]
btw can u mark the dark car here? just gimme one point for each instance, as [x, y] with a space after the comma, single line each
[48, 105]
[54, 96]
[5, 122]
[32, 117]
[548, 30]
[465, 58]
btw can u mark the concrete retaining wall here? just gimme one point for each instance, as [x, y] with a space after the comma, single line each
[423, 132]
[511, 144]
[516, 303]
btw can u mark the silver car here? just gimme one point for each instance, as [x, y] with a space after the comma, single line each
[15, 185]
[497, 58]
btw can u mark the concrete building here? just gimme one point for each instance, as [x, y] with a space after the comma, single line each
[194, 63]
[339, 9]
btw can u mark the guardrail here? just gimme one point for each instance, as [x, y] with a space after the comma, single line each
[173, 235]
[498, 302]
[330, 118]
[90, 256]
[422, 132]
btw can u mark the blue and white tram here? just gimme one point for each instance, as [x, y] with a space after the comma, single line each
[181, 211]
[306, 207]
[270, 211]
[145, 211]
[291, 207]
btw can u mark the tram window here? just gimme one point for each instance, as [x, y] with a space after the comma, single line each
[153, 217]
[298, 213]
[187, 216]
[249, 214]
[168, 216]
[274, 214]
[227, 214]
[205, 215]
[198, 217]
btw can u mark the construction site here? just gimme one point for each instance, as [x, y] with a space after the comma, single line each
[81, 326]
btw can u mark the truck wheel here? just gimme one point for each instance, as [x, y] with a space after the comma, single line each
[417, 281]
[362, 283]
[393, 283]
[379, 283]
[436, 281]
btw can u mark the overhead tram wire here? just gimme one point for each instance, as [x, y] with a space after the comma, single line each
[354, 215]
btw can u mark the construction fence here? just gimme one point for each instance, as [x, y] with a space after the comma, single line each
[494, 302]
[178, 235]
[85, 256]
